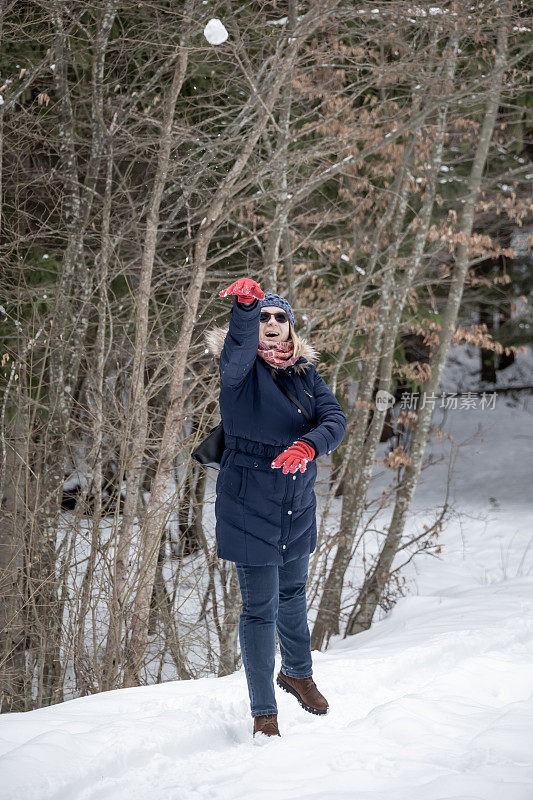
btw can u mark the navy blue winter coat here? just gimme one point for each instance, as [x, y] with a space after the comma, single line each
[263, 516]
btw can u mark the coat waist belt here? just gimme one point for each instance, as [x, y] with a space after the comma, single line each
[252, 448]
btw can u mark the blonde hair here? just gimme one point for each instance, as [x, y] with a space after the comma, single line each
[297, 342]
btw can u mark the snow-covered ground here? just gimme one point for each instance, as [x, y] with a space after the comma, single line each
[435, 702]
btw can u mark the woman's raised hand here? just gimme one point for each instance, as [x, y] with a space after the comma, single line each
[246, 290]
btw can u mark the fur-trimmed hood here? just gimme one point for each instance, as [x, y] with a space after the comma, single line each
[214, 339]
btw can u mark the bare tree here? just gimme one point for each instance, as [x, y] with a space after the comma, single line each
[374, 583]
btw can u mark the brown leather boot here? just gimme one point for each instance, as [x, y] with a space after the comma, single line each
[267, 724]
[305, 691]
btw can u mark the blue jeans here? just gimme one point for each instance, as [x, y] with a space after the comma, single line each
[273, 598]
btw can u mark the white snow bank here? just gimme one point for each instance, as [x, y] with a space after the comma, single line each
[435, 701]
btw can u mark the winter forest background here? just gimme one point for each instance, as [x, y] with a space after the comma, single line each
[370, 162]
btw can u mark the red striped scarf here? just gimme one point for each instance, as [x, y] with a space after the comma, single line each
[277, 354]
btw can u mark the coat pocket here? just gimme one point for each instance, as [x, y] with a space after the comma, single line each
[260, 485]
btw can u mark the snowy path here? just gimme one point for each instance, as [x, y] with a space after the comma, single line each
[435, 702]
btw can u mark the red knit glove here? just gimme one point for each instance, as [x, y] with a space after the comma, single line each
[246, 290]
[297, 455]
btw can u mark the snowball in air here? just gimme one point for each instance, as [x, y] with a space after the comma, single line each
[215, 32]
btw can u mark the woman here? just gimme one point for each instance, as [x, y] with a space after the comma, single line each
[265, 505]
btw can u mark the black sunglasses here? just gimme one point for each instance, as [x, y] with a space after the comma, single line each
[279, 316]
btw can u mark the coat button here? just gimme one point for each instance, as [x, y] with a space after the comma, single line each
[255, 464]
[294, 477]
[284, 547]
[289, 512]
[299, 411]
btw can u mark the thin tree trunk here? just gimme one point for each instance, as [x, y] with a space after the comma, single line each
[402, 287]
[95, 457]
[280, 222]
[158, 510]
[372, 589]
[382, 339]
[328, 615]
[137, 432]
[339, 476]
[12, 516]
[67, 333]
[488, 357]
[229, 633]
